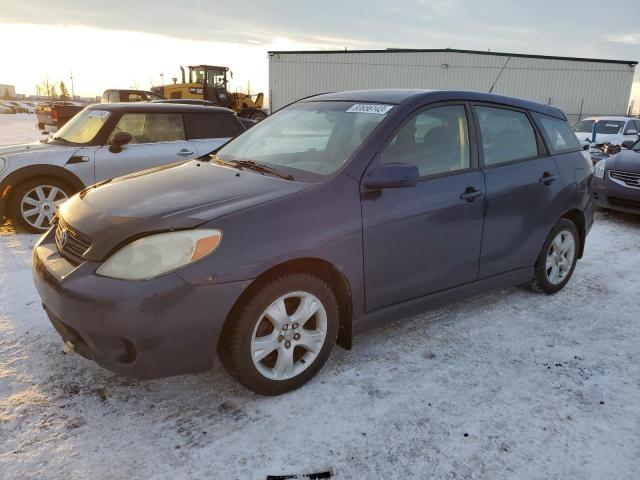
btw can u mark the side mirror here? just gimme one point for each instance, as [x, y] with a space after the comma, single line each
[119, 139]
[392, 175]
[627, 144]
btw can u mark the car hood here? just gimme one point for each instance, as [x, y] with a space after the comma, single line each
[27, 150]
[176, 196]
[585, 137]
[626, 161]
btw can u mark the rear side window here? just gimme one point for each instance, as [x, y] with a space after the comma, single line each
[150, 127]
[507, 135]
[212, 125]
[557, 133]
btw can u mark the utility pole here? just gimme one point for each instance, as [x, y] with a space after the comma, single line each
[73, 93]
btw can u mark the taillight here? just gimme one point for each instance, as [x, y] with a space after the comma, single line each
[54, 115]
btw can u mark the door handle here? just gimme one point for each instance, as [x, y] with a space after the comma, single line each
[547, 178]
[470, 194]
[184, 152]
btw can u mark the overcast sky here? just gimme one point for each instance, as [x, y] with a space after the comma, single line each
[120, 43]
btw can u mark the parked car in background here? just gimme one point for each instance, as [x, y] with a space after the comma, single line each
[125, 95]
[186, 101]
[5, 109]
[331, 215]
[613, 130]
[29, 106]
[102, 142]
[15, 107]
[617, 181]
[53, 115]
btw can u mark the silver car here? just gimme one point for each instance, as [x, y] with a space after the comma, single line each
[103, 142]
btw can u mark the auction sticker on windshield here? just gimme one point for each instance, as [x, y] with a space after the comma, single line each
[99, 113]
[370, 108]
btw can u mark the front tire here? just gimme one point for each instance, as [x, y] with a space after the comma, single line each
[282, 335]
[36, 201]
[557, 258]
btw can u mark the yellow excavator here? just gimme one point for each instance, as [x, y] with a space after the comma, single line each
[209, 82]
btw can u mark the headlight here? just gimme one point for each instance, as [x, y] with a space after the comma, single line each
[155, 255]
[598, 171]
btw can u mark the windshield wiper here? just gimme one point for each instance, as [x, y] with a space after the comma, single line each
[255, 166]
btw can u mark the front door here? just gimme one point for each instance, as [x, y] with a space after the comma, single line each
[522, 185]
[423, 239]
[157, 139]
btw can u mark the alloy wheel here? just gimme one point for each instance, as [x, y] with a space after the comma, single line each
[289, 335]
[40, 204]
[560, 257]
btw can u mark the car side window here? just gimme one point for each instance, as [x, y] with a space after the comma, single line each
[507, 135]
[151, 127]
[558, 134]
[212, 125]
[435, 140]
[631, 125]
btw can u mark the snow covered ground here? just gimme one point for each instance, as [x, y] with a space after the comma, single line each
[511, 385]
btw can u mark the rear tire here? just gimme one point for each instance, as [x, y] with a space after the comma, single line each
[557, 258]
[257, 115]
[35, 202]
[282, 335]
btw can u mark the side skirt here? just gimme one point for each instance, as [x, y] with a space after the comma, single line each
[382, 316]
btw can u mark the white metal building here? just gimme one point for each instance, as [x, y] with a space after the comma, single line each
[579, 86]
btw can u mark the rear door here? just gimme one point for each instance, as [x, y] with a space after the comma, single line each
[157, 139]
[209, 131]
[522, 188]
[422, 239]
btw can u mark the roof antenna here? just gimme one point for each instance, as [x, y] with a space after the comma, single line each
[499, 74]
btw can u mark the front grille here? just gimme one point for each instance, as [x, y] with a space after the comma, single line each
[629, 179]
[71, 244]
[624, 202]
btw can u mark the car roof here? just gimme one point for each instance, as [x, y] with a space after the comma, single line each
[143, 107]
[398, 96]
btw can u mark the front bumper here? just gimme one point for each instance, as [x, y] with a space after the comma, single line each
[608, 194]
[144, 329]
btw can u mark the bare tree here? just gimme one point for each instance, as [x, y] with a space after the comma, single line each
[135, 84]
[48, 88]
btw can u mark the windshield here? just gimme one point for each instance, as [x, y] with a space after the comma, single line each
[83, 127]
[608, 127]
[314, 138]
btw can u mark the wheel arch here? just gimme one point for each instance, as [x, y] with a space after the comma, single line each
[577, 217]
[8, 185]
[315, 266]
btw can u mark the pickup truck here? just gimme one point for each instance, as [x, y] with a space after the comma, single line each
[53, 115]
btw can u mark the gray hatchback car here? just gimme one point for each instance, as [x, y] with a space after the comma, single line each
[334, 214]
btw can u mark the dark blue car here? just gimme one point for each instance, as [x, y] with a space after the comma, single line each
[334, 214]
[617, 181]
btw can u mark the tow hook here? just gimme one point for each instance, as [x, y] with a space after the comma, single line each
[68, 346]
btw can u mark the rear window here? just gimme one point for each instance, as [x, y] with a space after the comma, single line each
[212, 125]
[557, 133]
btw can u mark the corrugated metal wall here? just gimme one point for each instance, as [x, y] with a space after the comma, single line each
[593, 88]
